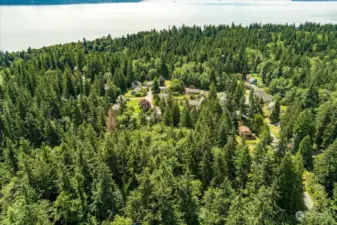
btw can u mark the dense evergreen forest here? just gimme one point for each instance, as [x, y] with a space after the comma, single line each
[66, 157]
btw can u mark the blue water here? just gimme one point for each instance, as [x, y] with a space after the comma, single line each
[59, 2]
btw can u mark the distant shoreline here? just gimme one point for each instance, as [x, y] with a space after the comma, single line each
[313, 0]
[59, 2]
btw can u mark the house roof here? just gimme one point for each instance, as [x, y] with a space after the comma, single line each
[191, 90]
[137, 89]
[244, 129]
[262, 94]
[135, 84]
[148, 83]
[221, 95]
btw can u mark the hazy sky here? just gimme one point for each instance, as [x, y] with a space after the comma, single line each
[37, 26]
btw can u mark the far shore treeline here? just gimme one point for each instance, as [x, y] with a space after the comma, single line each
[60, 2]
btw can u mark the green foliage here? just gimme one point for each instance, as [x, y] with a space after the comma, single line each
[303, 127]
[290, 184]
[275, 113]
[74, 151]
[177, 86]
[155, 86]
[305, 150]
[326, 167]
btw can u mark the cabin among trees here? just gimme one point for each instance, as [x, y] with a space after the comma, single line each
[246, 133]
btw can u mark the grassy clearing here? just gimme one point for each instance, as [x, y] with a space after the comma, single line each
[134, 102]
[167, 83]
[276, 131]
[250, 143]
[284, 108]
[128, 94]
[266, 111]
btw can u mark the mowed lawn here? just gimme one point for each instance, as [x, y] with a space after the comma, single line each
[250, 143]
[167, 83]
[134, 102]
[128, 94]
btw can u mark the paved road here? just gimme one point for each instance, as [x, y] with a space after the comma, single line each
[275, 140]
[149, 97]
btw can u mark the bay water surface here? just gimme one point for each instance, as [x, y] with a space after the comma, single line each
[37, 26]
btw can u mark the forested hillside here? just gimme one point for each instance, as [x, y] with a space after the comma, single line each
[74, 151]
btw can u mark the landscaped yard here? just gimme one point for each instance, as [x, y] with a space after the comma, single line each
[128, 94]
[134, 102]
[167, 83]
[250, 143]
[258, 79]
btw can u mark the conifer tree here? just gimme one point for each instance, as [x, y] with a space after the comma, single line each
[275, 114]
[185, 119]
[305, 149]
[155, 86]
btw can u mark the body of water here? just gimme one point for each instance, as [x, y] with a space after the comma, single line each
[37, 26]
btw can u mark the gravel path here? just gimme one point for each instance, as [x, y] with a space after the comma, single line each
[308, 201]
[149, 97]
